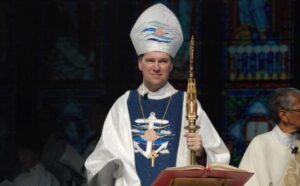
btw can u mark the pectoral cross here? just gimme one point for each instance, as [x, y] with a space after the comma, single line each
[152, 156]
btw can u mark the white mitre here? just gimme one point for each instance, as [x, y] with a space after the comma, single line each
[157, 29]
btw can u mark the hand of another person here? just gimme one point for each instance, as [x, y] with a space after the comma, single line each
[194, 143]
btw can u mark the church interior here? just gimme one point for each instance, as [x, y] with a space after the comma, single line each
[63, 63]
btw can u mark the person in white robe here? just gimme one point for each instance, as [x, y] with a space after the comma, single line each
[33, 172]
[270, 155]
[127, 139]
[36, 176]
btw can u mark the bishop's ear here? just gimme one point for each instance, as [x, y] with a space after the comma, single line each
[140, 64]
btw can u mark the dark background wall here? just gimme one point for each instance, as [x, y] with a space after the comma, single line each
[57, 51]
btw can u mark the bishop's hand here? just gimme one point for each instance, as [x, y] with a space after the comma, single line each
[194, 143]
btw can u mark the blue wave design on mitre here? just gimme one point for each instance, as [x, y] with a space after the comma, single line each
[154, 37]
[161, 41]
[149, 29]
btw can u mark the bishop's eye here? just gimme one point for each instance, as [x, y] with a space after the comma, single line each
[149, 60]
[164, 61]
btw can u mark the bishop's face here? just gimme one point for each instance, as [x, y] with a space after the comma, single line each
[156, 67]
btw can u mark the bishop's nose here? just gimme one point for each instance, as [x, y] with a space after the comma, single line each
[156, 66]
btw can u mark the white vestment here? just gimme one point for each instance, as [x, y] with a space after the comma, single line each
[267, 156]
[37, 176]
[113, 157]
